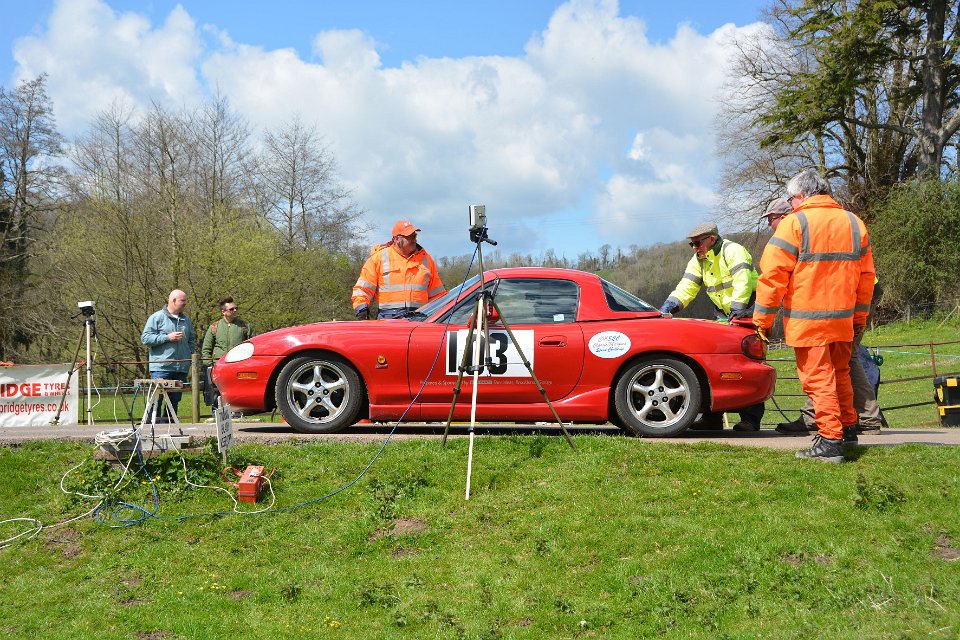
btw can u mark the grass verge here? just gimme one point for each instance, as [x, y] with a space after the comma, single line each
[625, 539]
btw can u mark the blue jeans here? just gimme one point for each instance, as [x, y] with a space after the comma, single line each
[173, 395]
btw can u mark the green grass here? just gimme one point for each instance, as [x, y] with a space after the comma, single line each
[898, 362]
[625, 539]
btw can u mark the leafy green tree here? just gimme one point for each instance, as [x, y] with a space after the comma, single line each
[163, 201]
[865, 89]
[916, 243]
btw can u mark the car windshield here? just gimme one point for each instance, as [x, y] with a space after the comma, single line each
[431, 308]
[620, 300]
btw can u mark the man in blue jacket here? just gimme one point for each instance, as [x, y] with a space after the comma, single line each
[171, 338]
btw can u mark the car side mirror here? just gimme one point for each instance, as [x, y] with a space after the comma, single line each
[492, 316]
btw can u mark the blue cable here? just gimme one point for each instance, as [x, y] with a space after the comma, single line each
[126, 522]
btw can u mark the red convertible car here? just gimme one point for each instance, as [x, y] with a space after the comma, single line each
[600, 354]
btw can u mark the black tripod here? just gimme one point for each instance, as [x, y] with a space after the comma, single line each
[89, 331]
[478, 331]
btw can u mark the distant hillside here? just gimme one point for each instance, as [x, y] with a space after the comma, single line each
[649, 272]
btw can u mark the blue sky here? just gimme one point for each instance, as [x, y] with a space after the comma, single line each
[577, 124]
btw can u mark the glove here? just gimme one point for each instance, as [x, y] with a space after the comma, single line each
[741, 313]
[763, 335]
[363, 313]
[859, 329]
[669, 307]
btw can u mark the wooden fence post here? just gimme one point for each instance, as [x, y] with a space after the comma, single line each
[195, 386]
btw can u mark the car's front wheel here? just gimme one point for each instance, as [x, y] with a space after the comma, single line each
[319, 393]
[658, 397]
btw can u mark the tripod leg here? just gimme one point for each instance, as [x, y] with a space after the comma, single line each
[482, 333]
[471, 326]
[540, 388]
[123, 397]
[73, 366]
[149, 406]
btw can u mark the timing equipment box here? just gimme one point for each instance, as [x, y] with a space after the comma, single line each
[948, 390]
[250, 485]
[947, 396]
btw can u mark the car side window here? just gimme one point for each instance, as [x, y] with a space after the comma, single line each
[537, 300]
[464, 309]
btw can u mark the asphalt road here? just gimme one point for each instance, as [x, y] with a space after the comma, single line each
[273, 433]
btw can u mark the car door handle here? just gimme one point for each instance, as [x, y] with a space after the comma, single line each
[553, 341]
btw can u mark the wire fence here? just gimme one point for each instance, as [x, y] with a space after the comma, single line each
[903, 398]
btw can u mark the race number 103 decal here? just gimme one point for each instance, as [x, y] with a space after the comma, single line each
[505, 360]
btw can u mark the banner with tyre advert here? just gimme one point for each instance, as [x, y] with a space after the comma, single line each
[30, 395]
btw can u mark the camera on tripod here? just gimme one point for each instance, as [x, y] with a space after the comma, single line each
[478, 224]
[86, 307]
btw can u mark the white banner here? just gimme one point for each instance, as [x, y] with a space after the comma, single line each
[30, 395]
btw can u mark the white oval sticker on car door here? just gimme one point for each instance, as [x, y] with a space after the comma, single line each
[609, 344]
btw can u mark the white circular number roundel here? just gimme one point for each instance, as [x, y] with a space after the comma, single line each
[609, 344]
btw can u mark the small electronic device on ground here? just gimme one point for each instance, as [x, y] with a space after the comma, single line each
[249, 484]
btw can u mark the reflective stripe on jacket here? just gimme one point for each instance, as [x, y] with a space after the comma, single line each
[819, 266]
[727, 273]
[397, 282]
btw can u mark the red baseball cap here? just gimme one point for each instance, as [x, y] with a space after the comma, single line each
[404, 228]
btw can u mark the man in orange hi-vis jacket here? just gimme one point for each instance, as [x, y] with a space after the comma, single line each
[819, 267]
[400, 275]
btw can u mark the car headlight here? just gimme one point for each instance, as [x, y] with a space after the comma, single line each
[240, 352]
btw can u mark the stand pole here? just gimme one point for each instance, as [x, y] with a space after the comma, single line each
[478, 335]
[66, 387]
[87, 325]
[480, 312]
[471, 326]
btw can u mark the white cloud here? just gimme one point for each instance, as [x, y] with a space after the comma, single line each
[593, 115]
[95, 56]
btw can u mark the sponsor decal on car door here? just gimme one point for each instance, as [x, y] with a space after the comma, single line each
[555, 352]
[505, 359]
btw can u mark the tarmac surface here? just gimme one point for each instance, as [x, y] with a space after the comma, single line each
[247, 430]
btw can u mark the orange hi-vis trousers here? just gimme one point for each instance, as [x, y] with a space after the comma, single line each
[824, 373]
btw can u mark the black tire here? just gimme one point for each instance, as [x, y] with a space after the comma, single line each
[657, 397]
[319, 394]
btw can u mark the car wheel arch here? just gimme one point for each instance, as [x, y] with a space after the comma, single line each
[706, 393]
[271, 401]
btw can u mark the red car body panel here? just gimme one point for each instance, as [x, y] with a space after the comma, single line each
[394, 357]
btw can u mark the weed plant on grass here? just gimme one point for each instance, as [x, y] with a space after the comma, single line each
[625, 539]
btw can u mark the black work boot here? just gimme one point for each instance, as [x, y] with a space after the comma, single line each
[824, 450]
[796, 428]
[850, 434]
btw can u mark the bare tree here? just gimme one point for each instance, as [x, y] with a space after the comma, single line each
[29, 176]
[302, 195]
[221, 142]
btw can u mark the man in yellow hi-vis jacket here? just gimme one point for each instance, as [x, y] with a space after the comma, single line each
[725, 269]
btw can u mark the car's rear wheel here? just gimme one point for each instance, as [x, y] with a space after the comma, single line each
[658, 397]
[319, 393]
